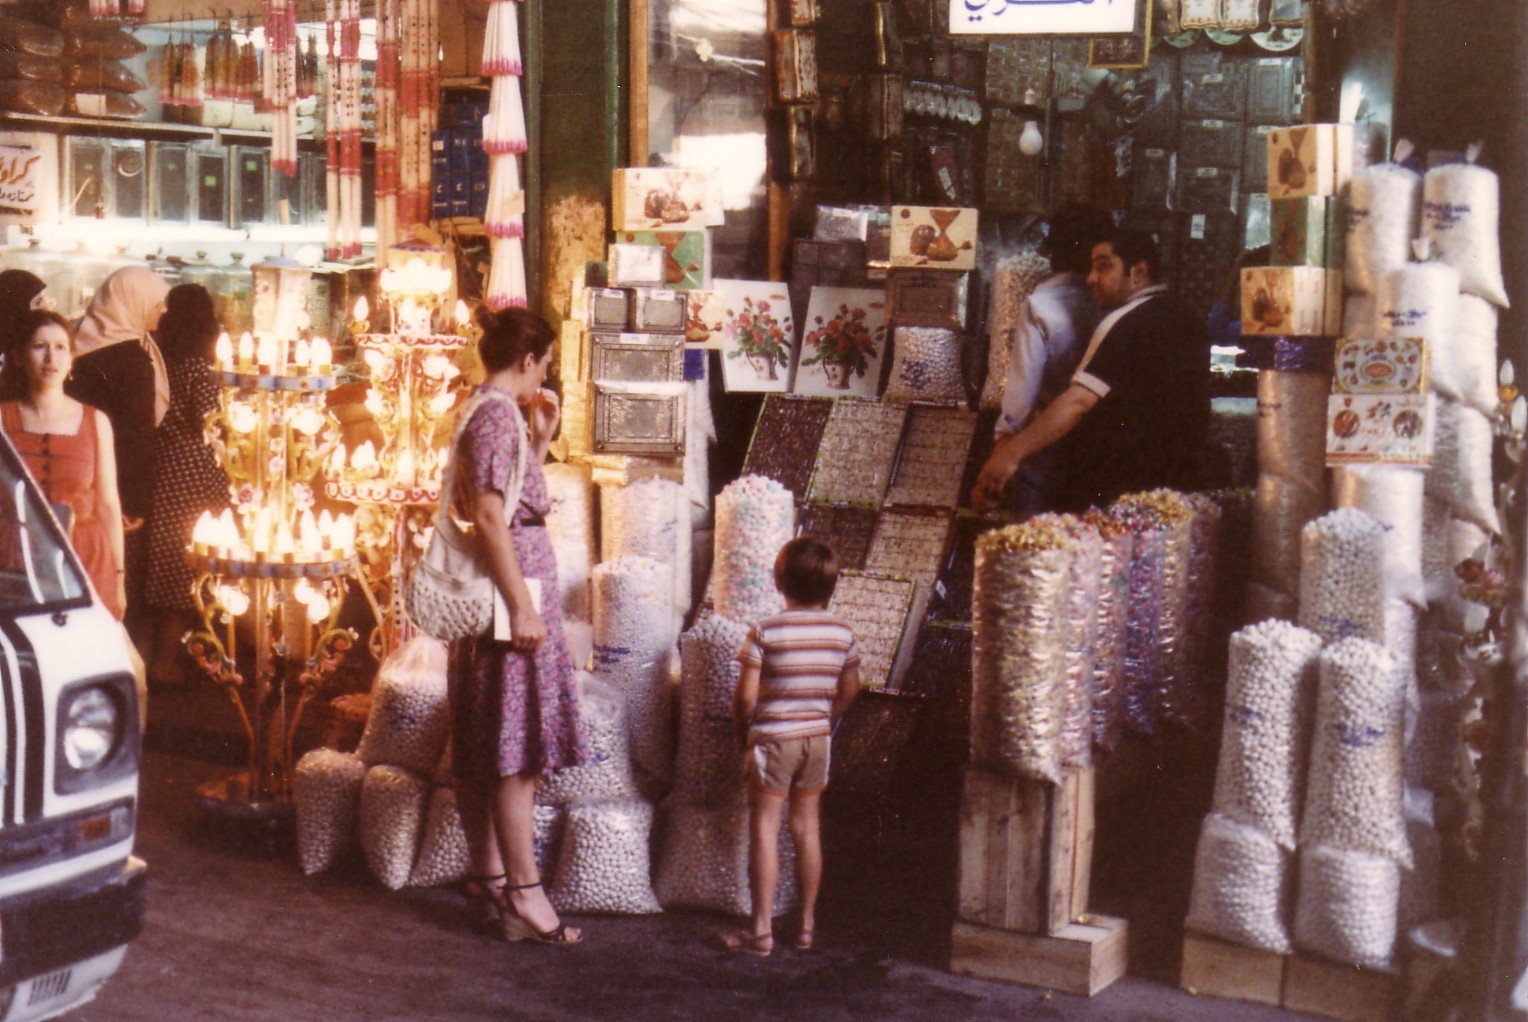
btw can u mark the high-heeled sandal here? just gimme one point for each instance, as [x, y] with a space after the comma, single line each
[516, 927]
[483, 899]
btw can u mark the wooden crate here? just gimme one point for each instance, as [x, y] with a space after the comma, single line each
[1026, 851]
[1338, 991]
[1218, 968]
[1081, 958]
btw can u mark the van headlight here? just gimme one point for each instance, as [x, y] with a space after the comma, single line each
[97, 735]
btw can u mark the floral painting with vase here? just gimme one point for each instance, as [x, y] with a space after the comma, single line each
[842, 342]
[757, 335]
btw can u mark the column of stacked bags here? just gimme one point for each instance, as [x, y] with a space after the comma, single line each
[1290, 305]
[703, 849]
[97, 82]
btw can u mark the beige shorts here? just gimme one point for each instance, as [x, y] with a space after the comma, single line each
[798, 765]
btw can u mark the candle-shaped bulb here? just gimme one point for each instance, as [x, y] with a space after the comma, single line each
[225, 352]
[204, 532]
[307, 534]
[260, 541]
[325, 523]
[323, 355]
[405, 468]
[265, 350]
[246, 347]
[337, 461]
[284, 545]
[463, 316]
[361, 308]
[301, 354]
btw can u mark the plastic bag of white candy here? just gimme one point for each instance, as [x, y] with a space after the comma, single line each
[926, 365]
[1241, 880]
[443, 857]
[327, 789]
[1460, 212]
[1357, 769]
[410, 718]
[1346, 910]
[1381, 220]
[393, 805]
[605, 862]
[1270, 698]
[608, 772]
[1342, 581]
[703, 860]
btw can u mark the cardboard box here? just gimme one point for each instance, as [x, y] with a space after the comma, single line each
[1293, 301]
[1380, 411]
[686, 256]
[636, 265]
[659, 198]
[935, 238]
[1306, 231]
[1309, 159]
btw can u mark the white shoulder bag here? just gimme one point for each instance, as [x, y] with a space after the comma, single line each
[450, 592]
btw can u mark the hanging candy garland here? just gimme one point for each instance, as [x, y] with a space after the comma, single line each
[279, 82]
[331, 132]
[505, 138]
[388, 108]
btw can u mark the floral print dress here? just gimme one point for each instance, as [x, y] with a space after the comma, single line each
[513, 713]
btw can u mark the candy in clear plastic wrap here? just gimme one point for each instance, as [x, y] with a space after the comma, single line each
[1281, 509]
[1461, 206]
[1175, 682]
[1357, 768]
[755, 517]
[410, 719]
[570, 525]
[393, 805]
[1475, 341]
[1422, 300]
[1265, 604]
[1014, 279]
[1241, 883]
[1346, 909]
[925, 365]
[607, 773]
[644, 518]
[1474, 490]
[1083, 581]
[1342, 591]
[605, 865]
[1270, 700]
[703, 860]
[1018, 695]
[327, 790]
[1383, 204]
[707, 768]
[443, 857]
[633, 633]
[1291, 425]
[1392, 495]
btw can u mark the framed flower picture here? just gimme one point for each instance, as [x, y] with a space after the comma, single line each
[842, 342]
[757, 335]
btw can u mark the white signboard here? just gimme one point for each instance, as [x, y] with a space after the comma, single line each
[1044, 17]
[28, 178]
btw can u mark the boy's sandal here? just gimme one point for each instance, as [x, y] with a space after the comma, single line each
[756, 945]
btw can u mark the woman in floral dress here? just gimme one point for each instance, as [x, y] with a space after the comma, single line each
[514, 705]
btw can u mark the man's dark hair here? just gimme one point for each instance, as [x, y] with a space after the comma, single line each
[1073, 229]
[1136, 246]
[806, 571]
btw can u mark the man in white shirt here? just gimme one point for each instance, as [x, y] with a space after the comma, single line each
[1046, 344]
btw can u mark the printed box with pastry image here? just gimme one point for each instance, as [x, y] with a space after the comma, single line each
[1380, 410]
[1306, 231]
[659, 198]
[1309, 159]
[1293, 301]
[686, 256]
[933, 238]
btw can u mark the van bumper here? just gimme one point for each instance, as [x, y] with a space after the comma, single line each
[79, 927]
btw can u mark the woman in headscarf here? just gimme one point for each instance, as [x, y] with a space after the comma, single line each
[190, 477]
[120, 370]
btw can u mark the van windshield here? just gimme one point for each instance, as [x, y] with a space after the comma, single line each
[37, 570]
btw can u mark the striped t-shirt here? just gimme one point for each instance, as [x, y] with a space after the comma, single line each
[800, 655]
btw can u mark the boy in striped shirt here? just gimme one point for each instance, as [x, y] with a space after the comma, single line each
[800, 674]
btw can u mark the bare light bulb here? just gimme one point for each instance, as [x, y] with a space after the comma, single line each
[1031, 141]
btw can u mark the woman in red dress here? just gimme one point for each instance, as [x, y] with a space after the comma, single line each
[67, 446]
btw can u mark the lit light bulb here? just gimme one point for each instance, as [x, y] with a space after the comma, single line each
[225, 352]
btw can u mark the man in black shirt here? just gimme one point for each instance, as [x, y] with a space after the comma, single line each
[1136, 415]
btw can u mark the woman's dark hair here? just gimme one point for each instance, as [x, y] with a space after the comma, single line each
[806, 570]
[17, 290]
[511, 334]
[189, 326]
[13, 383]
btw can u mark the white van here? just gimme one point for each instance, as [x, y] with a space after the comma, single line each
[71, 891]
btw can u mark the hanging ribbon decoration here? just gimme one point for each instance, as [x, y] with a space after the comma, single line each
[388, 61]
[505, 140]
[279, 82]
[342, 105]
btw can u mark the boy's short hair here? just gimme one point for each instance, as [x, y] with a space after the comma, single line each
[806, 571]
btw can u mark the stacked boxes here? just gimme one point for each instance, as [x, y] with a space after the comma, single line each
[458, 164]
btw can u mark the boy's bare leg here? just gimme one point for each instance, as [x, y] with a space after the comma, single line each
[764, 857]
[806, 833]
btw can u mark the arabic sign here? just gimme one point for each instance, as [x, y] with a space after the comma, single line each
[1044, 17]
[28, 178]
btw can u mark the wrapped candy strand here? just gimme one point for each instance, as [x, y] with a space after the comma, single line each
[1083, 581]
[1357, 781]
[755, 516]
[1270, 700]
[1111, 626]
[1342, 590]
[1019, 660]
[1241, 883]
